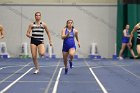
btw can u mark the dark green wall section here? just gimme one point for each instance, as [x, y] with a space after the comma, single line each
[127, 13]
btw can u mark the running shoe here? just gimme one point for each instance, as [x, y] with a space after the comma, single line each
[66, 71]
[36, 71]
[120, 58]
[70, 62]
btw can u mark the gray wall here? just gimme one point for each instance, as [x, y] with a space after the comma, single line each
[94, 22]
[56, 1]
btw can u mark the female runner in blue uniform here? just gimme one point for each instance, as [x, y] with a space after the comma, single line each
[125, 42]
[37, 29]
[68, 35]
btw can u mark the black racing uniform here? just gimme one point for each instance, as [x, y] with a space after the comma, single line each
[37, 34]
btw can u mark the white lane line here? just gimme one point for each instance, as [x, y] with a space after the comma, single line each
[51, 80]
[57, 81]
[14, 73]
[49, 66]
[14, 82]
[108, 66]
[5, 67]
[130, 72]
[9, 67]
[98, 81]
[28, 81]
[29, 66]
[78, 66]
[96, 78]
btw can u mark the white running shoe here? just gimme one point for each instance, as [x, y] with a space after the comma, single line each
[120, 58]
[36, 71]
